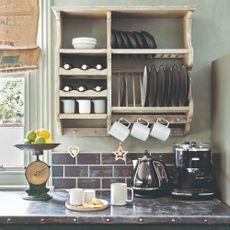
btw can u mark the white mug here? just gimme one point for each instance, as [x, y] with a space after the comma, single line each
[139, 130]
[68, 106]
[99, 105]
[119, 130]
[160, 131]
[119, 194]
[89, 195]
[84, 106]
[76, 196]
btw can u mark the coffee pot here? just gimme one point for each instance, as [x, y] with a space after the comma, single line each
[149, 176]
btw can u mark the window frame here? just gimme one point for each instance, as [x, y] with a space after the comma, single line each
[38, 101]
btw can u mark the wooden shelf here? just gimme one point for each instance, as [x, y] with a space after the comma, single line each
[87, 93]
[89, 116]
[85, 52]
[159, 53]
[107, 18]
[85, 131]
[150, 110]
[88, 72]
[134, 11]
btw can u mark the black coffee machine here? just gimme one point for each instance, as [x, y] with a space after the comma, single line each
[194, 171]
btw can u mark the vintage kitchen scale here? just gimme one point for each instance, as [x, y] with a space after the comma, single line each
[37, 172]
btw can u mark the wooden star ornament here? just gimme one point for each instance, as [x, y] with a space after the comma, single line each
[120, 153]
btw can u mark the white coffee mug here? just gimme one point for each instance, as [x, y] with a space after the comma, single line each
[139, 130]
[99, 105]
[76, 196]
[119, 194]
[68, 106]
[159, 130]
[84, 106]
[89, 195]
[120, 130]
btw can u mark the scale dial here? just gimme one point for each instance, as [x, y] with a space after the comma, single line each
[37, 172]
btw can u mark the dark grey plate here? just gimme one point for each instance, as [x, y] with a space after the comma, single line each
[153, 87]
[139, 40]
[183, 77]
[168, 86]
[175, 86]
[132, 40]
[125, 40]
[149, 39]
[160, 86]
[122, 86]
[114, 40]
[36, 147]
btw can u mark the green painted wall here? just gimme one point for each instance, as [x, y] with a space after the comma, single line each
[210, 39]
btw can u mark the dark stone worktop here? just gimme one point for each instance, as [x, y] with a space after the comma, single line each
[164, 210]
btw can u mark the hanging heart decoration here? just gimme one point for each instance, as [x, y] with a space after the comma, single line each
[73, 150]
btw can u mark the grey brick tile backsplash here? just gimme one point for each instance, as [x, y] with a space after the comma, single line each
[98, 170]
[109, 158]
[76, 171]
[123, 171]
[88, 158]
[57, 171]
[89, 183]
[62, 159]
[64, 183]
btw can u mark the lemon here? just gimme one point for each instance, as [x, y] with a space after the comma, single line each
[40, 140]
[49, 141]
[31, 135]
[43, 133]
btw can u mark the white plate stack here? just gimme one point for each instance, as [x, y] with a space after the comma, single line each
[84, 43]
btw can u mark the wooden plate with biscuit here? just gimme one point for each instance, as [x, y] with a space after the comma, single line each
[95, 205]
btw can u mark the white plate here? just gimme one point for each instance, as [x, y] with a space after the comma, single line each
[144, 86]
[88, 208]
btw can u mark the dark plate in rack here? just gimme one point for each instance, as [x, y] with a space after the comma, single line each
[132, 40]
[149, 39]
[139, 40]
[114, 40]
[160, 86]
[125, 40]
[175, 86]
[183, 77]
[153, 87]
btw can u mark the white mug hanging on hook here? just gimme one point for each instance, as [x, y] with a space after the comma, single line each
[160, 130]
[140, 130]
[120, 130]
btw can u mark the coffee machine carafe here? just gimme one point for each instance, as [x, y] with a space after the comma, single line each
[194, 171]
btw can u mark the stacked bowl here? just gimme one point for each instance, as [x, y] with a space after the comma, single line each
[84, 43]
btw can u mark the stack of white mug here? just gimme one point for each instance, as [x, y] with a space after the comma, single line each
[140, 129]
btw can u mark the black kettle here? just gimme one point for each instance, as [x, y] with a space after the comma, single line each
[149, 176]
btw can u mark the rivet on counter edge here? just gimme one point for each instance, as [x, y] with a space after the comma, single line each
[173, 220]
[107, 219]
[141, 219]
[8, 220]
[42, 220]
[205, 221]
[74, 220]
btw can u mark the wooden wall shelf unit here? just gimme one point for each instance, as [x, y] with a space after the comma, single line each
[127, 63]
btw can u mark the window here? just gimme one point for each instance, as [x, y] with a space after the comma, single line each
[12, 112]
